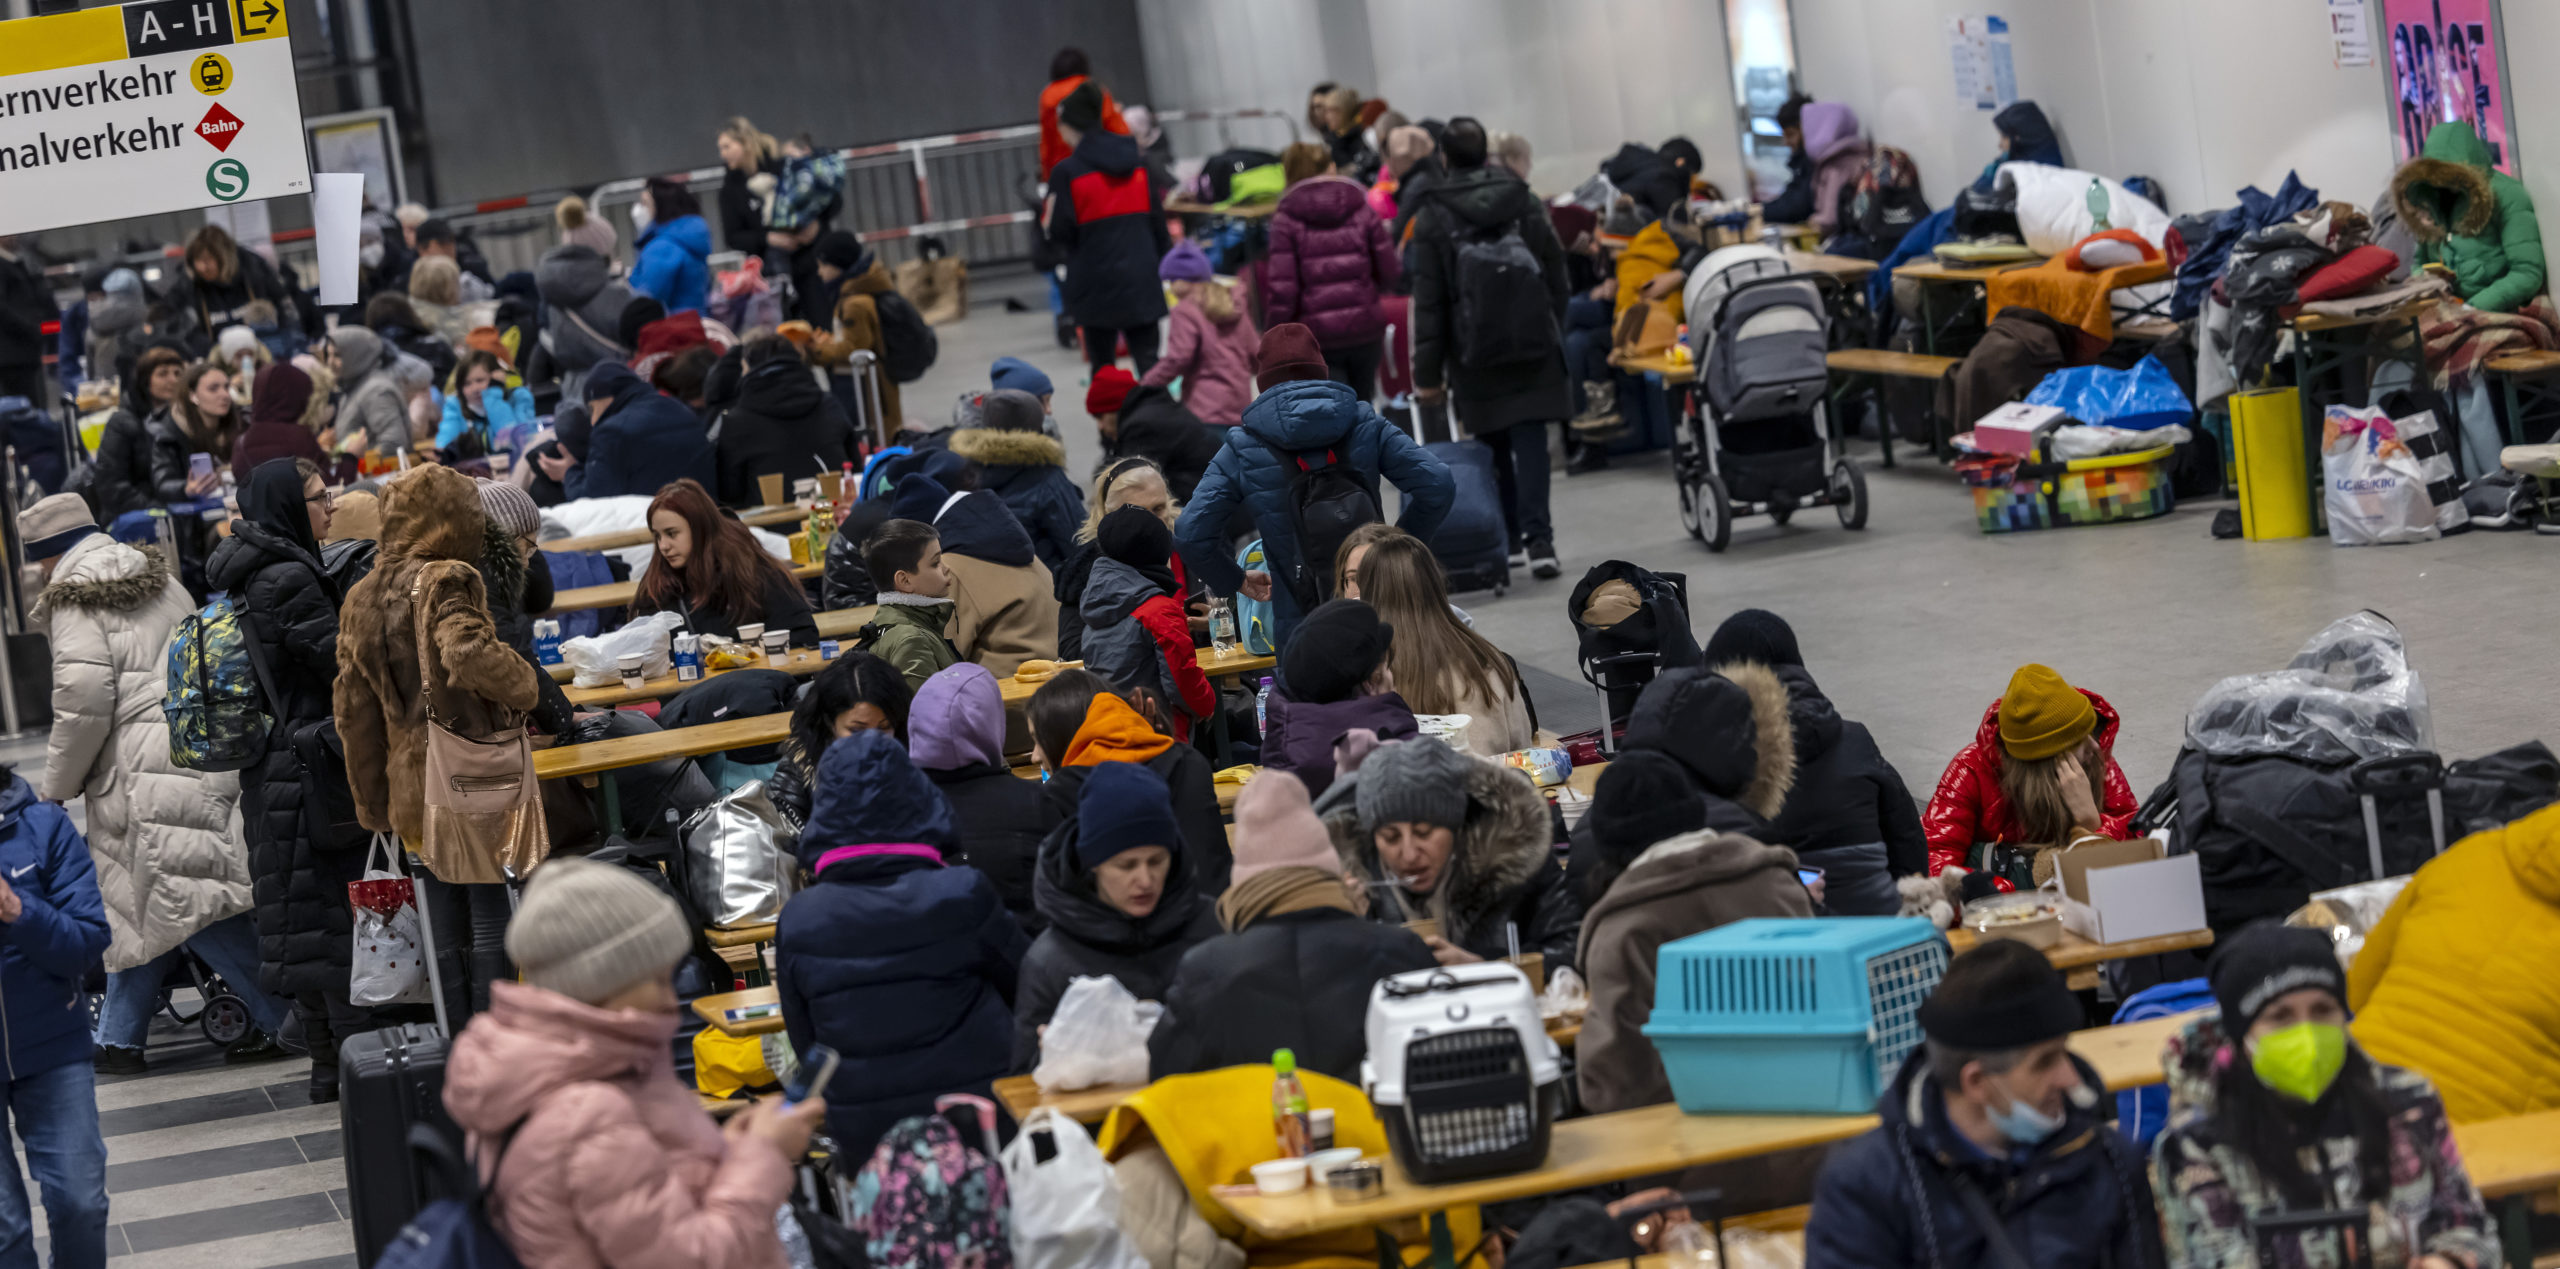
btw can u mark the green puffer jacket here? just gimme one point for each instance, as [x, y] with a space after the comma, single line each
[2471, 218]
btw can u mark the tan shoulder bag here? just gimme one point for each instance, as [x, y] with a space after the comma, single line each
[483, 807]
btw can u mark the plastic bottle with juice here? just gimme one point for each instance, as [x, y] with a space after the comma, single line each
[1288, 1105]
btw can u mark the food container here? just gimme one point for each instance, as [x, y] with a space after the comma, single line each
[828, 649]
[2032, 919]
[1280, 1176]
[1322, 1163]
[630, 663]
[751, 637]
[1356, 1182]
[1548, 767]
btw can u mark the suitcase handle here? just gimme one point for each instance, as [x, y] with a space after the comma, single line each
[2405, 774]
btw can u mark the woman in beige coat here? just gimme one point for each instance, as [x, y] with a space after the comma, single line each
[171, 865]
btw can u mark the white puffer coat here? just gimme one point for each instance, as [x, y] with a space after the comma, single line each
[166, 840]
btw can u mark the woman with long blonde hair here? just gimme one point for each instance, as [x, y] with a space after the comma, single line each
[1122, 483]
[753, 159]
[1441, 666]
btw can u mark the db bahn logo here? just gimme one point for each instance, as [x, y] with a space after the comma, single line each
[227, 179]
[219, 126]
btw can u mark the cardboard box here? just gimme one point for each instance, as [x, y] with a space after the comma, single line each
[2117, 892]
[2016, 428]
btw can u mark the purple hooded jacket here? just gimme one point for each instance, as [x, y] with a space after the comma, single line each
[1330, 261]
[1839, 156]
[1298, 736]
[955, 735]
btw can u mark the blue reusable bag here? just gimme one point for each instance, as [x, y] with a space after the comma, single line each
[2137, 400]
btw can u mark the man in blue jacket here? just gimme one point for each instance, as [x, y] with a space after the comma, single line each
[1302, 417]
[53, 929]
[642, 440]
[1994, 1149]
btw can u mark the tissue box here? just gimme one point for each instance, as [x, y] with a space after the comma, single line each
[2117, 892]
[2016, 428]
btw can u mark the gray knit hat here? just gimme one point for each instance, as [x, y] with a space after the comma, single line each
[509, 505]
[1419, 781]
[588, 930]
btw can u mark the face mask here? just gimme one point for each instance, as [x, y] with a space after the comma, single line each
[640, 216]
[370, 254]
[2300, 1061]
[2022, 1122]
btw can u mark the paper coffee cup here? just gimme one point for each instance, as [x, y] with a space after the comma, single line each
[832, 485]
[777, 644]
[631, 663]
[805, 491]
[750, 634]
[772, 489]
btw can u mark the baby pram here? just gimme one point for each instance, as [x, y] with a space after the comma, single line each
[1758, 436]
[220, 1012]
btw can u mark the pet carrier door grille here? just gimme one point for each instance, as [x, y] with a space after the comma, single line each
[1751, 984]
[1896, 984]
[1470, 1093]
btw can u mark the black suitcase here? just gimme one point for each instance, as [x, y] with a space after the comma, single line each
[1473, 545]
[387, 1080]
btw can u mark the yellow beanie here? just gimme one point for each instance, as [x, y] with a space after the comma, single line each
[2041, 715]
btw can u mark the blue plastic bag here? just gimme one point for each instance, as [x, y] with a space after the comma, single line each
[2137, 400]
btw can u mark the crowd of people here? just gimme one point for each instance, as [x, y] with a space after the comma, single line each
[946, 905]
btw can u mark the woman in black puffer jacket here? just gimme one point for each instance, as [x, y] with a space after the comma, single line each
[300, 868]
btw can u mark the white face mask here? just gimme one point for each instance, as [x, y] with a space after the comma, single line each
[640, 215]
[370, 254]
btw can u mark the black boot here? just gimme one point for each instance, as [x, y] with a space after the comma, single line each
[257, 1046]
[324, 1084]
[117, 1059]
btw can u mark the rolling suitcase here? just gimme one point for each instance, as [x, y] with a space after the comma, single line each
[387, 1081]
[1473, 545]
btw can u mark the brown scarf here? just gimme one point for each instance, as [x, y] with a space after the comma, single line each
[1277, 891]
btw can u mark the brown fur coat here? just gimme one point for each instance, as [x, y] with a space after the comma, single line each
[432, 528]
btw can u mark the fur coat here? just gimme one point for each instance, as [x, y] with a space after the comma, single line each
[1503, 869]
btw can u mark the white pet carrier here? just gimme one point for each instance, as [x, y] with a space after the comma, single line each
[1461, 1071]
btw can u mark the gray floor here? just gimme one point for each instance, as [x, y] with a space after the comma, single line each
[1914, 625]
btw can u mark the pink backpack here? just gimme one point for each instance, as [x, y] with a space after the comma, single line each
[928, 1201]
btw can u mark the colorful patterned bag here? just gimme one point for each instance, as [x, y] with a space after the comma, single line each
[217, 714]
[928, 1201]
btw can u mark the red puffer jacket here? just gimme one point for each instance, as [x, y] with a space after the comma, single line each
[1330, 261]
[1969, 807]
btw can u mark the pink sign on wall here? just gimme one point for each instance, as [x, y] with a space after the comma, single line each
[2448, 65]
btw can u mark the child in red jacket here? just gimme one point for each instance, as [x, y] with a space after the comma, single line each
[2041, 773]
[1136, 635]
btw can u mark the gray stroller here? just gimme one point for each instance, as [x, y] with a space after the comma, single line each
[1758, 437]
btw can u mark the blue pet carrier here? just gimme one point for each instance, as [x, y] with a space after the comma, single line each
[1781, 1015]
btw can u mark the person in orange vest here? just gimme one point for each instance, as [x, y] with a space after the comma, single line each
[1067, 70]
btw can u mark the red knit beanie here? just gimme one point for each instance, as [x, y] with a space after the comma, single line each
[1111, 386]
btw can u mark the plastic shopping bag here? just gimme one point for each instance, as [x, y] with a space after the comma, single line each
[2136, 400]
[598, 658]
[390, 951]
[2376, 491]
[1098, 1036]
[1066, 1212]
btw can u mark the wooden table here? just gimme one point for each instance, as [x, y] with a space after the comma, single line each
[800, 663]
[1674, 373]
[1214, 664]
[1845, 268]
[1931, 275]
[602, 758]
[1649, 1141]
[761, 517]
[620, 594]
[714, 1010]
[2513, 1160]
[2079, 958]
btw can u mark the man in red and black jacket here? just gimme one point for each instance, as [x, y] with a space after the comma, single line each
[1105, 216]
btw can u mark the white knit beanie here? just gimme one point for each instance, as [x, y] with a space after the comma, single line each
[588, 930]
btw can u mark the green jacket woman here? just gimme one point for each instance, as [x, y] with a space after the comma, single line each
[2471, 218]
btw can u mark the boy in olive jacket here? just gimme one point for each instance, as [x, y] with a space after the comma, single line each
[908, 632]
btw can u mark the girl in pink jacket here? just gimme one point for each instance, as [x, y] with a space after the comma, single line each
[609, 1161]
[1211, 343]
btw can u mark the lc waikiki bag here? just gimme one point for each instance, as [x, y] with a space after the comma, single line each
[1255, 620]
[483, 805]
[217, 714]
[2376, 490]
[928, 1201]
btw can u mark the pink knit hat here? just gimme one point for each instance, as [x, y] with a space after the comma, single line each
[1276, 827]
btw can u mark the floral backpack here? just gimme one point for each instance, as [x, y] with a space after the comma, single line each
[926, 1200]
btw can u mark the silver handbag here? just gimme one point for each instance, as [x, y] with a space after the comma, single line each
[738, 860]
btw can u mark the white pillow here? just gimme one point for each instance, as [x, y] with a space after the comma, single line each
[2109, 253]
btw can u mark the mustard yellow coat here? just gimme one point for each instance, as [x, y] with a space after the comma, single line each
[2461, 980]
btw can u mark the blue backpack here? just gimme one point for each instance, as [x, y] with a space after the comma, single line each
[1256, 622]
[452, 1232]
[2142, 1112]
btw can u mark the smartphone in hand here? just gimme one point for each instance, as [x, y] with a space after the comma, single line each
[809, 1079]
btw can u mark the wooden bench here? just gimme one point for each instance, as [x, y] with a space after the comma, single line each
[2530, 395]
[1787, 1223]
[1875, 365]
[761, 517]
[603, 757]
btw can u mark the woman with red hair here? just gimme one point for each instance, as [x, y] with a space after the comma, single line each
[711, 569]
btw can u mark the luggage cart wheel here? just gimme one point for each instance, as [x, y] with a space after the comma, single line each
[1849, 494]
[225, 1021]
[1714, 513]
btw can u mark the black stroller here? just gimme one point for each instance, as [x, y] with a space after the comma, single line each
[1758, 437]
[1650, 633]
[220, 1012]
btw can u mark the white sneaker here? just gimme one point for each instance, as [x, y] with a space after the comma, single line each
[1543, 564]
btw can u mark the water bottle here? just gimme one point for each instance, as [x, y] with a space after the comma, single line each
[1222, 625]
[546, 641]
[1262, 708]
[2099, 204]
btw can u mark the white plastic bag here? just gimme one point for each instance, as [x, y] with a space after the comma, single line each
[1066, 1212]
[390, 952]
[2377, 493]
[1098, 1036]
[598, 658]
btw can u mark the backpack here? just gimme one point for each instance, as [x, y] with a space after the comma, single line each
[217, 714]
[907, 345]
[2142, 1112]
[928, 1201]
[1218, 174]
[1503, 314]
[1325, 504]
[1255, 619]
[452, 1232]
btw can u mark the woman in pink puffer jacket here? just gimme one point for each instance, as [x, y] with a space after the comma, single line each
[609, 1161]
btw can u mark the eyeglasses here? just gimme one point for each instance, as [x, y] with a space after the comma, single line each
[321, 497]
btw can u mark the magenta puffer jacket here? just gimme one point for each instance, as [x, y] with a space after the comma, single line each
[1330, 260]
[613, 1164]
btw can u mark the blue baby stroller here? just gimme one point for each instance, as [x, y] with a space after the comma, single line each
[1758, 437]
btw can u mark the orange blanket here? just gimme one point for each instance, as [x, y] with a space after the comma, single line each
[2061, 290]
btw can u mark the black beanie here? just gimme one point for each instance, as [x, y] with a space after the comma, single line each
[2266, 960]
[1334, 651]
[1082, 109]
[1136, 537]
[839, 249]
[2002, 995]
[636, 316]
[1754, 634]
[1642, 798]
